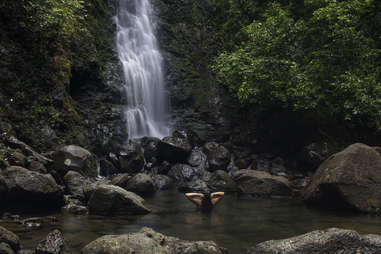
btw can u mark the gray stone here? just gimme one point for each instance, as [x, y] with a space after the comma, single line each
[141, 184]
[10, 239]
[54, 243]
[77, 159]
[175, 148]
[350, 178]
[218, 156]
[113, 200]
[221, 181]
[330, 241]
[147, 241]
[28, 187]
[162, 182]
[260, 183]
[74, 183]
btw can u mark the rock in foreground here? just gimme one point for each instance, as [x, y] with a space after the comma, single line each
[350, 178]
[330, 241]
[147, 241]
[114, 200]
[9, 240]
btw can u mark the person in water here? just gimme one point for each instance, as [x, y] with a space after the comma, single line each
[205, 201]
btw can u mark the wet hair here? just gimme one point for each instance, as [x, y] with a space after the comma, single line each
[206, 202]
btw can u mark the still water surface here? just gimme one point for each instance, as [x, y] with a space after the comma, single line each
[236, 223]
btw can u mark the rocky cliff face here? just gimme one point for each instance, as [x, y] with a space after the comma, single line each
[53, 94]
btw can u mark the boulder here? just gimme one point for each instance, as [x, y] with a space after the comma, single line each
[184, 173]
[141, 184]
[147, 241]
[218, 156]
[350, 178]
[175, 148]
[106, 168]
[330, 241]
[9, 238]
[74, 183]
[131, 160]
[162, 182]
[113, 200]
[6, 249]
[74, 206]
[260, 183]
[54, 243]
[150, 147]
[221, 181]
[25, 187]
[195, 185]
[77, 159]
[120, 180]
[198, 159]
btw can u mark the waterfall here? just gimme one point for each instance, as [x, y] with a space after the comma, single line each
[147, 106]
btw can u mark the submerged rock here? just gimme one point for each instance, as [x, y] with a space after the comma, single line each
[330, 241]
[23, 187]
[113, 200]
[261, 183]
[77, 159]
[147, 241]
[350, 178]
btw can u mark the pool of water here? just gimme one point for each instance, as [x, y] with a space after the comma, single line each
[236, 223]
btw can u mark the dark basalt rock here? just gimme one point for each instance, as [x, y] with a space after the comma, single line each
[313, 155]
[198, 159]
[54, 243]
[221, 181]
[350, 178]
[330, 241]
[109, 200]
[162, 182]
[175, 148]
[25, 187]
[107, 168]
[131, 161]
[218, 156]
[260, 183]
[147, 241]
[77, 159]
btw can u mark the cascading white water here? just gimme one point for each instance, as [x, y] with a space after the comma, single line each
[148, 107]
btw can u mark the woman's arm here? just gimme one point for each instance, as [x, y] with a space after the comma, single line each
[195, 198]
[216, 197]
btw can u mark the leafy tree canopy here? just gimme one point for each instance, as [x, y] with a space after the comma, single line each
[326, 61]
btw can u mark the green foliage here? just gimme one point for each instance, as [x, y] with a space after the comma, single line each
[57, 20]
[327, 64]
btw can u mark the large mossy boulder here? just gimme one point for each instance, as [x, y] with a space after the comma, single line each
[110, 200]
[9, 241]
[350, 178]
[24, 188]
[77, 159]
[260, 183]
[175, 148]
[147, 241]
[330, 241]
[218, 156]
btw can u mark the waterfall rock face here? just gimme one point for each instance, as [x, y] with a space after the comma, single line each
[147, 109]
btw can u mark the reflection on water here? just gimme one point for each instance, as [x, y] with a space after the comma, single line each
[236, 223]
